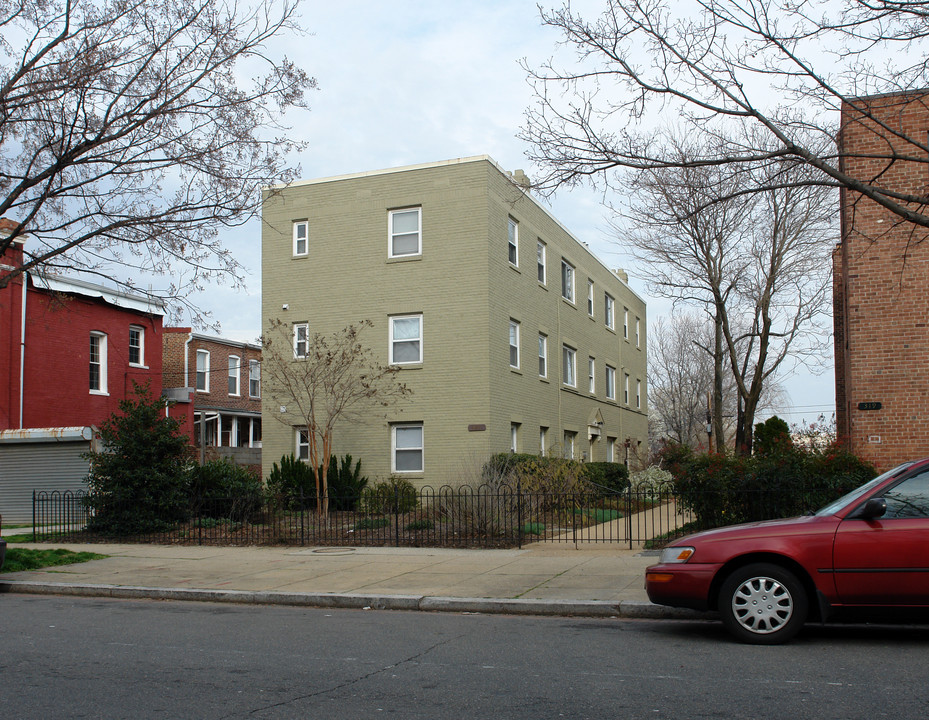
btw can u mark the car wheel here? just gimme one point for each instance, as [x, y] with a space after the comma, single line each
[763, 604]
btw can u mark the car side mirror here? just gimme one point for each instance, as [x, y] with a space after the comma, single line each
[874, 508]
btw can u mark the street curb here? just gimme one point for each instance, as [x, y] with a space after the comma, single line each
[507, 606]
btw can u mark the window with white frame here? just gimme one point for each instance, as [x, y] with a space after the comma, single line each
[540, 260]
[406, 339]
[407, 444]
[301, 340]
[98, 363]
[514, 437]
[301, 242]
[302, 444]
[203, 370]
[136, 345]
[254, 378]
[514, 344]
[590, 297]
[626, 388]
[611, 449]
[543, 355]
[513, 241]
[608, 310]
[626, 323]
[637, 325]
[569, 442]
[591, 375]
[234, 374]
[638, 394]
[611, 382]
[567, 280]
[543, 440]
[569, 366]
[405, 232]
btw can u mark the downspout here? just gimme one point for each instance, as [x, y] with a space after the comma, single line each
[22, 349]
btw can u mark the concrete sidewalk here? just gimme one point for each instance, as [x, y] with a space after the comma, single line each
[587, 579]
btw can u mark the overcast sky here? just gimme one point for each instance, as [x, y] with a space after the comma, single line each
[414, 81]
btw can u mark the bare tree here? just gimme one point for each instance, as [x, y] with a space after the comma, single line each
[783, 68]
[314, 382]
[133, 132]
[758, 265]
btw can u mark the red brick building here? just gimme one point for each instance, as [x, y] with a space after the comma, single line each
[71, 350]
[880, 288]
[222, 379]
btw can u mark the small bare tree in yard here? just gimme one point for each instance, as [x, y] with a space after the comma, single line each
[314, 382]
[133, 132]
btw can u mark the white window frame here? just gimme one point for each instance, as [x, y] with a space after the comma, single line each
[610, 382]
[394, 449]
[590, 297]
[626, 388]
[98, 345]
[393, 236]
[569, 366]
[611, 449]
[514, 437]
[301, 340]
[512, 241]
[543, 355]
[543, 436]
[202, 372]
[541, 251]
[297, 239]
[235, 376]
[592, 375]
[570, 440]
[637, 324]
[140, 345]
[302, 444]
[609, 310]
[254, 378]
[419, 340]
[626, 323]
[567, 280]
[638, 394]
[514, 344]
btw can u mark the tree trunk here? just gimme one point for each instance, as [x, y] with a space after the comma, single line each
[718, 362]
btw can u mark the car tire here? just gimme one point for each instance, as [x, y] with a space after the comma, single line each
[763, 604]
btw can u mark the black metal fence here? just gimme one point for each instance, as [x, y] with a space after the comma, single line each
[486, 516]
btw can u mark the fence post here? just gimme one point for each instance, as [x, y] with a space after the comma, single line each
[629, 515]
[34, 534]
[397, 516]
[519, 514]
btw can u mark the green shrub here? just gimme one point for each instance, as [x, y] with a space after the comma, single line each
[345, 482]
[222, 489]
[395, 495]
[372, 523]
[771, 437]
[292, 483]
[609, 476]
[420, 525]
[139, 482]
[534, 473]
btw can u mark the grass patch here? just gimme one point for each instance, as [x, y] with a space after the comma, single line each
[22, 537]
[19, 559]
[372, 523]
[532, 528]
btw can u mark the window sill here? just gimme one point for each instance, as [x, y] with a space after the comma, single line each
[515, 370]
[404, 258]
[545, 380]
[136, 366]
[408, 366]
[305, 256]
[100, 392]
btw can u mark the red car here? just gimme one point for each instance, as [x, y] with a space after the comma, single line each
[868, 550]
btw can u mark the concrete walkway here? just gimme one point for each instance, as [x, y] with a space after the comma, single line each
[560, 579]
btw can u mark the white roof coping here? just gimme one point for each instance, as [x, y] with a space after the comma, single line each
[52, 434]
[152, 306]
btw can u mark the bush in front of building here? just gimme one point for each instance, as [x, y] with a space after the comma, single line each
[536, 474]
[139, 481]
[292, 484]
[610, 477]
[783, 481]
[221, 489]
[392, 496]
[346, 483]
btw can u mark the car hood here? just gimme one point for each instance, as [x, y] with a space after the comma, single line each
[764, 528]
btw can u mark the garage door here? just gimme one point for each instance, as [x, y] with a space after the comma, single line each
[38, 465]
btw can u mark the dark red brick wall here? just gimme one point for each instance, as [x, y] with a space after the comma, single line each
[881, 289]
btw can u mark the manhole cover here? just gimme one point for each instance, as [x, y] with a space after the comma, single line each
[334, 551]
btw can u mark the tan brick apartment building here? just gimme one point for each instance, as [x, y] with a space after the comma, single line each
[510, 332]
[222, 380]
[881, 293]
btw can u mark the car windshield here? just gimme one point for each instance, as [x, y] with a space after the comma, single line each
[859, 492]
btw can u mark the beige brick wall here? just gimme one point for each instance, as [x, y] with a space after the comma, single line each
[467, 292]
